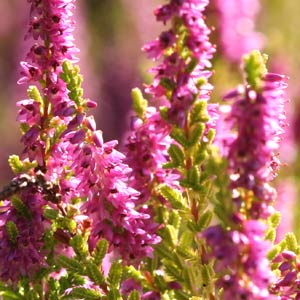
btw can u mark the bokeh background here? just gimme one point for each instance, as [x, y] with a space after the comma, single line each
[110, 34]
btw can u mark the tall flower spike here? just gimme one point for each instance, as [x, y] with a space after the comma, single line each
[182, 75]
[64, 142]
[258, 116]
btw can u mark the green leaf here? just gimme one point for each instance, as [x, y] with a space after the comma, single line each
[83, 293]
[173, 272]
[275, 219]
[196, 134]
[185, 252]
[169, 235]
[134, 295]
[21, 208]
[132, 272]
[114, 294]
[167, 83]
[100, 251]
[176, 155]
[291, 242]
[94, 273]
[204, 220]
[178, 135]
[186, 239]
[10, 296]
[50, 213]
[273, 252]
[19, 166]
[115, 274]
[79, 245]
[210, 135]
[70, 264]
[199, 112]
[139, 104]
[164, 251]
[173, 196]
[12, 231]
[193, 176]
[271, 234]
[192, 65]
[34, 93]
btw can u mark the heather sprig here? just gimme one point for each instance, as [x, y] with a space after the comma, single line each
[171, 164]
[257, 116]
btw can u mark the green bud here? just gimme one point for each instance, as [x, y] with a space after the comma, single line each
[255, 68]
[139, 103]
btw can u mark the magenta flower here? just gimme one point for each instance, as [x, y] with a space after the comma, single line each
[241, 260]
[259, 119]
[175, 84]
[287, 285]
[24, 255]
[147, 153]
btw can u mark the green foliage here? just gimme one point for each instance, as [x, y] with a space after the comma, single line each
[71, 76]
[176, 156]
[19, 166]
[173, 196]
[204, 220]
[134, 295]
[192, 65]
[196, 134]
[83, 293]
[115, 274]
[291, 243]
[139, 103]
[50, 213]
[199, 112]
[12, 231]
[70, 264]
[255, 68]
[80, 246]
[100, 251]
[93, 272]
[167, 83]
[21, 208]
[114, 294]
[179, 136]
[34, 93]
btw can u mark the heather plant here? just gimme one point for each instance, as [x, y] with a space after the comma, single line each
[185, 212]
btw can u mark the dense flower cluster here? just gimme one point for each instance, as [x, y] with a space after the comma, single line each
[22, 253]
[236, 25]
[259, 119]
[241, 260]
[288, 284]
[70, 152]
[147, 152]
[176, 80]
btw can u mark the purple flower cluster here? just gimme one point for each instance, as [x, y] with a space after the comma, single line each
[23, 255]
[288, 283]
[236, 25]
[147, 152]
[51, 28]
[259, 119]
[71, 154]
[176, 79]
[241, 260]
